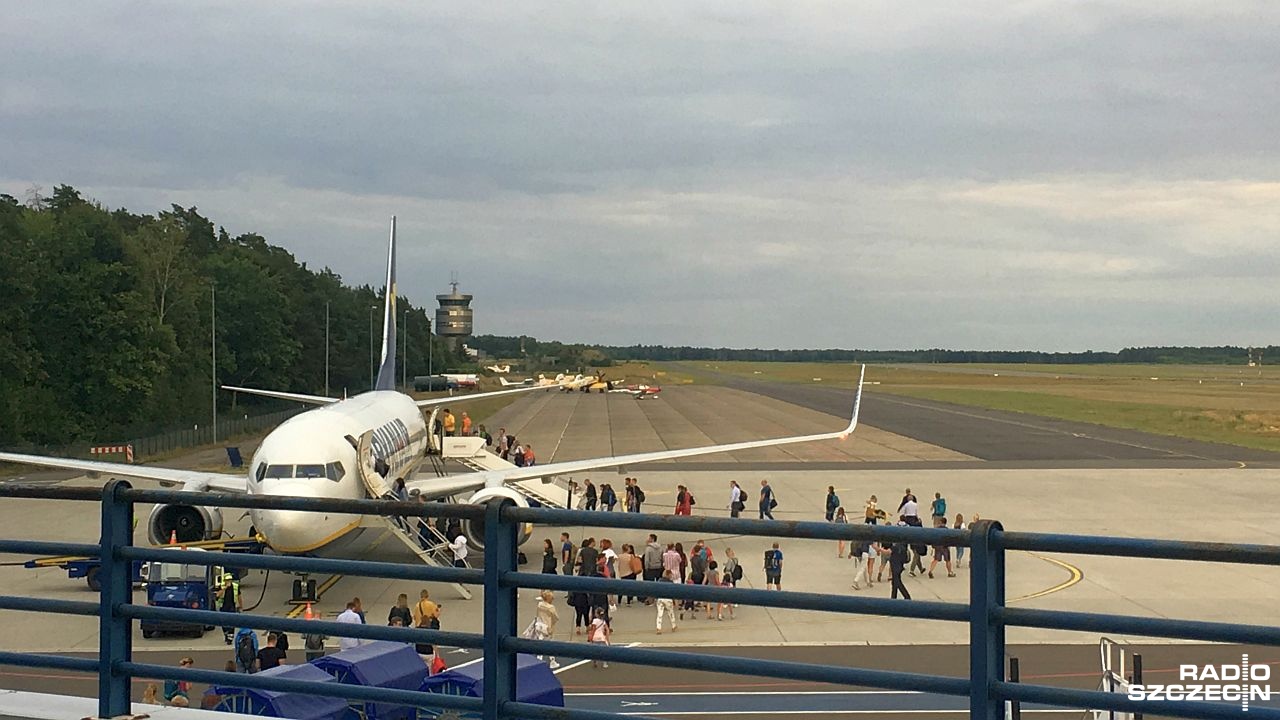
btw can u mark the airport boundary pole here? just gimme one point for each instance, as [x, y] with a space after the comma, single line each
[986, 631]
[115, 639]
[499, 668]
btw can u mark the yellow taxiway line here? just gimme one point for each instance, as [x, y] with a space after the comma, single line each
[1076, 576]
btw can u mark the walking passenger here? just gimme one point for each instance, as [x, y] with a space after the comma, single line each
[939, 510]
[608, 498]
[841, 519]
[833, 502]
[548, 557]
[897, 562]
[767, 503]
[736, 505]
[773, 568]
[666, 606]
[544, 622]
[568, 553]
[589, 494]
[401, 611]
[629, 568]
[872, 513]
[941, 552]
[684, 501]
[960, 525]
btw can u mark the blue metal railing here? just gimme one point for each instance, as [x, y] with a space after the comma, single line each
[986, 613]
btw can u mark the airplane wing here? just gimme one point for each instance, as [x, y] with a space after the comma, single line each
[194, 480]
[452, 485]
[432, 402]
[296, 397]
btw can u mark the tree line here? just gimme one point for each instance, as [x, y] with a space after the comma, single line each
[106, 326]
[508, 347]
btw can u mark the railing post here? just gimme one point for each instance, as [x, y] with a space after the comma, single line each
[986, 637]
[499, 610]
[115, 636]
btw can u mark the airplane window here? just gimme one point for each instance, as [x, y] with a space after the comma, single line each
[334, 471]
[261, 472]
[309, 471]
[279, 471]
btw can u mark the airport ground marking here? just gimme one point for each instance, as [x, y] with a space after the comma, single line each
[1076, 576]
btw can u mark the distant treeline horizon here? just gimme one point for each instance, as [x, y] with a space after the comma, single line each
[510, 347]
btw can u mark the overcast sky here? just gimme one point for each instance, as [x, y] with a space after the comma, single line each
[1043, 175]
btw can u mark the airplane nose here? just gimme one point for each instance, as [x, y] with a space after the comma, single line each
[293, 531]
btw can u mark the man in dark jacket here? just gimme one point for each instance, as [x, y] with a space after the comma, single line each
[897, 563]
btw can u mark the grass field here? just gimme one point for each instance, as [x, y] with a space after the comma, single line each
[1216, 403]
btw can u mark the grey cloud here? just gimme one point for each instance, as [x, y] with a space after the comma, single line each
[979, 175]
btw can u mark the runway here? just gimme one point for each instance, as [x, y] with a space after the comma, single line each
[1008, 439]
[1099, 494]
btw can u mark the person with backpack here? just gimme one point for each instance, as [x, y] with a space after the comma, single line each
[939, 508]
[684, 501]
[608, 498]
[732, 567]
[737, 499]
[773, 568]
[833, 502]
[178, 692]
[767, 501]
[589, 494]
[313, 644]
[246, 649]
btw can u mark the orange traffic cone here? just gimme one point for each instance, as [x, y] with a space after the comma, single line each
[173, 537]
[308, 615]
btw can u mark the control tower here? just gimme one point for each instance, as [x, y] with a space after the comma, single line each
[453, 317]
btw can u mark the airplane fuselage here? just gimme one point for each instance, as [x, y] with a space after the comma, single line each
[314, 454]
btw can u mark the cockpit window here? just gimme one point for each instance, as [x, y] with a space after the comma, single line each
[309, 471]
[261, 472]
[279, 471]
[334, 471]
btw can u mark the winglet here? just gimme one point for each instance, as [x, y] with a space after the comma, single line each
[387, 370]
[857, 404]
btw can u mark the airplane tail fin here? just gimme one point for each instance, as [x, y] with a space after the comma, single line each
[387, 370]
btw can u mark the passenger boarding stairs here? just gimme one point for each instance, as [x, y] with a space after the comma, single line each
[470, 452]
[424, 540]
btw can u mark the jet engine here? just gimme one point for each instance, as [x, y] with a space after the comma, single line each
[191, 523]
[473, 530]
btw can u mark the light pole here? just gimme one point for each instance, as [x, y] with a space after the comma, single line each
[213, 345]
[326, 348]
[404, 357]
[371, 377]
[430, 347]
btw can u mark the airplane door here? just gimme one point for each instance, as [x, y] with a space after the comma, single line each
[374, 482]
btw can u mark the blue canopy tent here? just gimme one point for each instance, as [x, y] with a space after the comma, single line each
[296, 706]
[535, 683]
[381, 664]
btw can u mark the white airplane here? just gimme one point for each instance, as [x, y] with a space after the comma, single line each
[541, 381]
[356, 448]
[461, 380]
[498, 369]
